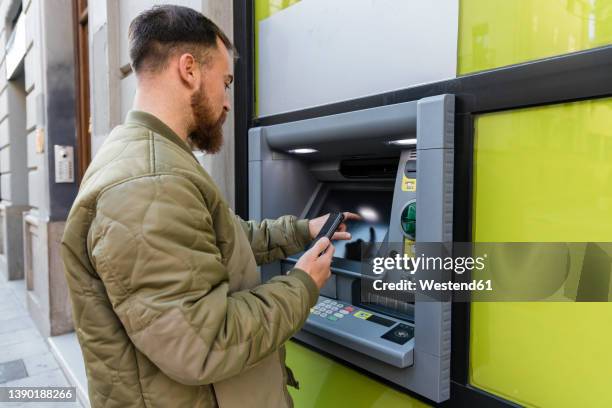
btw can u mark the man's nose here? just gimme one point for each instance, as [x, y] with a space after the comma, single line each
[226, 104]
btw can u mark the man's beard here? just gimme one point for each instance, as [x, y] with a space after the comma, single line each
[208, 133]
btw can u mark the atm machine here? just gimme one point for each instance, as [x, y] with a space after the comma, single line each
[394, 166]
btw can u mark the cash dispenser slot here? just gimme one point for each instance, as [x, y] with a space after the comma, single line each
[369, 168]
[394, 166]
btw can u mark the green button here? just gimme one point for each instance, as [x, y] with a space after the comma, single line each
[411, 212]
[332, 318]
[408, 220]
[409, 227]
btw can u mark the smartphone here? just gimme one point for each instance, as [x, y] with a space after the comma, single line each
[330, 226]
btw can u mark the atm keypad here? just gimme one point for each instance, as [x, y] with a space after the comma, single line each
[331, 310]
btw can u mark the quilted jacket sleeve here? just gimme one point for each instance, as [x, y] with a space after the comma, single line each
[153, 245]
[276, 239]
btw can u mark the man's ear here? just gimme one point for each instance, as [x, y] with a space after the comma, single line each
[189, 70]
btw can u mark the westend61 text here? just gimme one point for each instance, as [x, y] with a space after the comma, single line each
[429, 285]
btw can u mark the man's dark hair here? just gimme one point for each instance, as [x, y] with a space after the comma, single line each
[157, 33]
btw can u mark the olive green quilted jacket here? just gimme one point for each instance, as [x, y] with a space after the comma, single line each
[167, 302]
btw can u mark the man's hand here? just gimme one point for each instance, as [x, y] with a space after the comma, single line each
[317, 266]
[315, 225]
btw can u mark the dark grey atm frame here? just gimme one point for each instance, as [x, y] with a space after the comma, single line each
[573, 77]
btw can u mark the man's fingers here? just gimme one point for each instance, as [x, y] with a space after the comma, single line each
[342, 236]
[328, 255]
[351, 216]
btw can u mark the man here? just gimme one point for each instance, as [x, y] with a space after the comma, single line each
[167, 302]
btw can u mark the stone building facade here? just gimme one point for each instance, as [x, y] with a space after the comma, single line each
[65, 82]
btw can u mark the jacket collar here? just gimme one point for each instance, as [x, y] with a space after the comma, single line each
[156, 125]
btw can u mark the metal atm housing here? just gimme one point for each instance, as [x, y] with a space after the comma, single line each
[361, 160]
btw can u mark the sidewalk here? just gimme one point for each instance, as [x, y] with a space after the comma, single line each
[25, 357]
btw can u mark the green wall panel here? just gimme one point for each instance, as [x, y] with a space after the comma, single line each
[544, 175]
[266, 8]
[496, 33]
[327, 384]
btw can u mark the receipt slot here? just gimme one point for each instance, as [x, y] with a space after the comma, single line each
[394, 166]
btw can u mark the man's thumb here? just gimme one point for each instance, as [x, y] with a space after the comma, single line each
[320, 246]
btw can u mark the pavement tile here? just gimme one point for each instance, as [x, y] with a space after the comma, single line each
[5, 290]
[40, 363]
[53, 378]
[16, 290]
[20, 340]
[12, 370]
[18, 336]
[14, 313]
[24, 349]
[9, 301]
[14, 324]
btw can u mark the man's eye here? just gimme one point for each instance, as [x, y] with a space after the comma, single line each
[228, 86]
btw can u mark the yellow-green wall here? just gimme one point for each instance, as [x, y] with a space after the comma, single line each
[327, 384]
[266, 8]
[496, 33]
[544, 175]
[541, 174]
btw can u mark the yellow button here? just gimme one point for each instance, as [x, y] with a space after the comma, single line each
[362, 315]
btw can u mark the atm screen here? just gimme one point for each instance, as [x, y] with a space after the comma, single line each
[375, 208]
